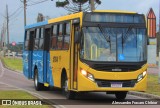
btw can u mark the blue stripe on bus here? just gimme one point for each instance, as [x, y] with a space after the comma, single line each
[38, 61]
[49, 69]
[41, 59]
[36, 25]
[25, 63]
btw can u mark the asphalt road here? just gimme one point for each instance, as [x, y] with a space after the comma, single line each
[14, 80]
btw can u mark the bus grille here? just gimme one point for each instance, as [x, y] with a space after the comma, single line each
[107, 83]
[111, 68]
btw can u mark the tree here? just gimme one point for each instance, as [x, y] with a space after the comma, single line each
[77, 5]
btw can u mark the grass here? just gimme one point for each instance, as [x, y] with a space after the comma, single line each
[15, 94]
[13, 63]
[153, 87]
[18, 94]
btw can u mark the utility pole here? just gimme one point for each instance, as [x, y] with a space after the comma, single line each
[92, 5]
[4, 39]
[24, 12]
[7, 18]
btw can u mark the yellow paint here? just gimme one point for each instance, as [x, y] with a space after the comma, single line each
[65, 61]
[75, 85]
[152, 43]
[65, 18]
[57, 67]
[84, 82]
[46, 84]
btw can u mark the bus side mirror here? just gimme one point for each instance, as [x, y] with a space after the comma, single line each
[77, 37]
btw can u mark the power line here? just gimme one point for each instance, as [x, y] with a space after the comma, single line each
[16, 15]
[35, 3]
[25, 5]
[15, 11]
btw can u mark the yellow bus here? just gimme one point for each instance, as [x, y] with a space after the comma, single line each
[100, 51]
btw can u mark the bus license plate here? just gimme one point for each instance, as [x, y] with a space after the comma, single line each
[116, 85]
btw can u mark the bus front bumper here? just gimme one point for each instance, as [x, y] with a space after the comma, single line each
[86, 84]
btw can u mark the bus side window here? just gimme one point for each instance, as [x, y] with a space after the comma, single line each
[31, 40]
[66, 36]
[27, 40]
[41, 40]
[54, 37]
[60, 37]
[36, 39]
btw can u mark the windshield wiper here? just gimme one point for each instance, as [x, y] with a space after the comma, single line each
[126, 34]
[107, 38]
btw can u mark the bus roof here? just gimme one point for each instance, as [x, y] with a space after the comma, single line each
[115, 11]
[72, 16]
[53, 20]
[66, 17]
[36, 24]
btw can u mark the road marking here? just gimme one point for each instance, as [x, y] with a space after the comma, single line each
[1, 74]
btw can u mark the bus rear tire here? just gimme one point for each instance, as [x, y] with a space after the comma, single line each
[38, 86]
[69, 94]
[121, 95]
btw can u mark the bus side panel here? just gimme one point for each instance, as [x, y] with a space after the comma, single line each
[44, 66]
[38, 61]
[59, 61]
[25, 64]
[28, 64]
[49, 71]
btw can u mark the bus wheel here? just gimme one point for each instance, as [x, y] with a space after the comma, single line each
[121, 95]
[38, 86]
[69, 94]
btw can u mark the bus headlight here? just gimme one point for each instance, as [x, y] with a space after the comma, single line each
[141, 76]
[84, 72]
[88, 75]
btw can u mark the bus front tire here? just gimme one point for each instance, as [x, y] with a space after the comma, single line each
[121, 95]
[69, 94]
[38, 86]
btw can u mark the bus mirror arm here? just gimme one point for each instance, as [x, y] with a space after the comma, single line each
[77, 37]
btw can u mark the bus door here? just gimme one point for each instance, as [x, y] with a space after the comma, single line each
[74, 60]
[28, 72]
[46, 55]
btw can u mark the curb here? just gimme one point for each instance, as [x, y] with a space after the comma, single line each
[145, 95]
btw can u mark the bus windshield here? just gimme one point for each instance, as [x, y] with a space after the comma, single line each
[113, 44]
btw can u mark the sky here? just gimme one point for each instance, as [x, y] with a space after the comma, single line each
[48, 8]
